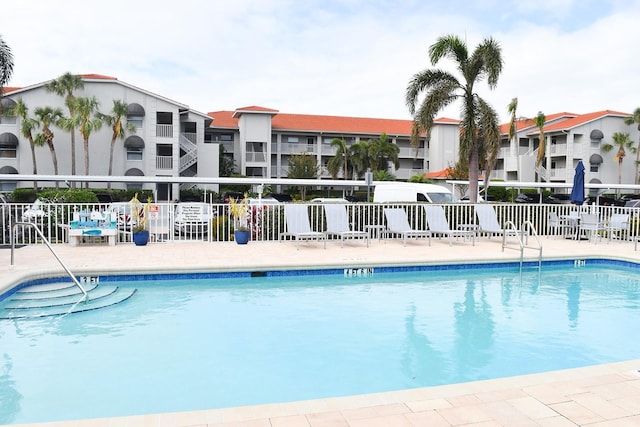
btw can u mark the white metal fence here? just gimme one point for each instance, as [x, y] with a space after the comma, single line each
[267, 222]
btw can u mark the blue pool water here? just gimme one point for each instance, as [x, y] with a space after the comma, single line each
[209, 343]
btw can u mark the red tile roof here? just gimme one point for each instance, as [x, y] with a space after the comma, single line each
[524, 123]
[97, 77]
[315, 123]
[581, 119]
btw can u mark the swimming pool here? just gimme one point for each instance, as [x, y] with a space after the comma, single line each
[207, 342]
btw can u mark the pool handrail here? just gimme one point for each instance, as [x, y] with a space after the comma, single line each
[46, 242]
[519, 233]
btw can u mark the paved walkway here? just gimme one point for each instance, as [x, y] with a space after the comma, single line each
[605, 395]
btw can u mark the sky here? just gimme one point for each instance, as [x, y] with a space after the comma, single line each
[344, 58]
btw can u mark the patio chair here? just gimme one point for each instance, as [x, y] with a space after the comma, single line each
[298, 226]
[559, 226]
[618, 223]
[397, 223]
[591, 227]
[338, 224]
[438, 225]
[489, 225]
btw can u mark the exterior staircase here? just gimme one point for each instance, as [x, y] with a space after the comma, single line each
[61, 298]
[190, 156]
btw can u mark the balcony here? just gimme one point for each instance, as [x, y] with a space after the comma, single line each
[558, 150]
[164, 162]
[256, 157]
[164, 131]
[410, 153]
[288, 148]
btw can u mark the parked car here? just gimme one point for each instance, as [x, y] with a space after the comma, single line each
[192, 218]
[534, 198]
[263, 202]
[328, 200]
[601, 201]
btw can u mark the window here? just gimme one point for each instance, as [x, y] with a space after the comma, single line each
[134, 154]
[594, 167]
[293, 139]
[8, 152]
[136, 121]
[311, 140]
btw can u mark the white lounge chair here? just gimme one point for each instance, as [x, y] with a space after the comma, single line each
[298, 226]
[338, 224]
[397, 223]
[438, 225]
[488, 223]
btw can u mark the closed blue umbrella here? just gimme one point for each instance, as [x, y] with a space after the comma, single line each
[577, 192]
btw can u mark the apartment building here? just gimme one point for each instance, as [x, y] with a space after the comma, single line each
[261, 140]
[169, 137]
[569, 138]
[172, 140]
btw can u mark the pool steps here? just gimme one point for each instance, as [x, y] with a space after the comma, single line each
[56, 299]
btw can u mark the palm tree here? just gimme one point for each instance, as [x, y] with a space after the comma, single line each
[512, 110]
[64, 86]
[48, 116]
[479, 124]
[622, 141]
[382, 152]
[6, 64]
[360, 161]
[117, 122]
[87, 120]
[635, 119]
[539, 121]
[27, 126]
[340, 160]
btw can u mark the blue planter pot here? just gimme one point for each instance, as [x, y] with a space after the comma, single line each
[141, 238]
[241, 237]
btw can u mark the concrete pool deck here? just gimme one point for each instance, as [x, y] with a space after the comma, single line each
[603, 395]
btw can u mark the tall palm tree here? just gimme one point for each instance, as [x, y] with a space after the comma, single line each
[539, 121]
[48, 116]
[479, 124]
[382, 152]
[340, 160]
[86, 120]
[635, 119]
[6, 64]
[119, 126]
[27, 126]
[64, 86]
[622, 141]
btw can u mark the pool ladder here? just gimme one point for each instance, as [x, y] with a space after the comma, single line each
[44, 239]
[522, 235]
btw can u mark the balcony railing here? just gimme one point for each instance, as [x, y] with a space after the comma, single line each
[256, 156]
[164, 162]
[164, 131]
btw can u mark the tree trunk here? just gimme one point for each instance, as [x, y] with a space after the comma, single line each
[86, 160]
[113, 144]
[473, 173]
[54, 159]
[33, 160]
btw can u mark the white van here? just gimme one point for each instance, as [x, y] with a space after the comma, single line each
[411, 192]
